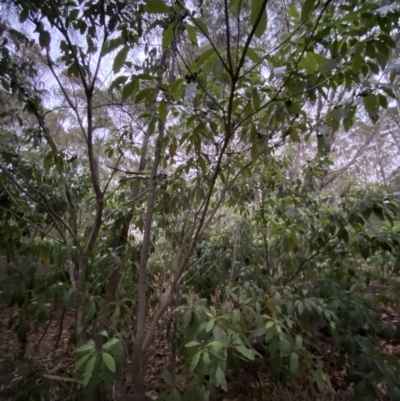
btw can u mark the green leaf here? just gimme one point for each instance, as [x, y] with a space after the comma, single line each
[156, 7]
[192, 344]
[357, 62]
[177, 88]
[118, 81]
[44, 39]
[82, 361]
[308, 7]
[371, 106]
[209, 325]
[48, 161]
[143, 94]
[373, 67]
[195, 361]
[60, 165]
[343, 235]
[204, 57]
[347, 124]
[129, 89]
[220, 378]
[162, 110]
[300, 308]
[246, 352]
[258, 16]
[23, 16]
[73, 15]
[89, 346]
[109, 361]
[73, 70]
[383, 101]
[293, 11]
[215, 345]
[203, 165]
[294, 362]
[200, 23]
[120, 59]
[110, 343]
[87, 375]
[168, 35]
[259, 332]
[192, 34]
[166, 376]
[382, 55]
[388, 89]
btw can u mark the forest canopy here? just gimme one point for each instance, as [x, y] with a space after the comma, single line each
[221, 175]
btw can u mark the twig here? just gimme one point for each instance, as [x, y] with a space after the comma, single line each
[62, 378]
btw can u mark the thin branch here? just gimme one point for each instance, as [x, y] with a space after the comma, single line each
[228, 37]
[50, 63]
[300, 268]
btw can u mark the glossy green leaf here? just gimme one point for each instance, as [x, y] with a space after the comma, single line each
[371, 106]
[307, 9]
[220, 378]
[192, 344]
[192, 34]
[110, 343]
[168, 35]
[82, 361]
[109, 361]
[209, 325]
[120, 59]
[383, 101]
[258, 16]
[215, 346]
[195, 361]
[204, 57]
[48, 162]
[246, 352]
[156, 7]
[129, 89]
[87, 375]
[44, 39]
[162, 110]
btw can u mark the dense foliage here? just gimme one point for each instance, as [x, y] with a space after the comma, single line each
[224, 170]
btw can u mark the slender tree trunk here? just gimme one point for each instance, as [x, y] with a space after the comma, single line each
[138, 351]
[80, 305]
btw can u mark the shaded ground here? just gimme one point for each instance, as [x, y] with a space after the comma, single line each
[248, 384]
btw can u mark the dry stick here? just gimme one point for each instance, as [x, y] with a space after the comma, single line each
[62, 378]
[45, 330]
[60, 329]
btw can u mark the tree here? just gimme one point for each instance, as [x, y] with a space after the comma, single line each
[208, 109]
